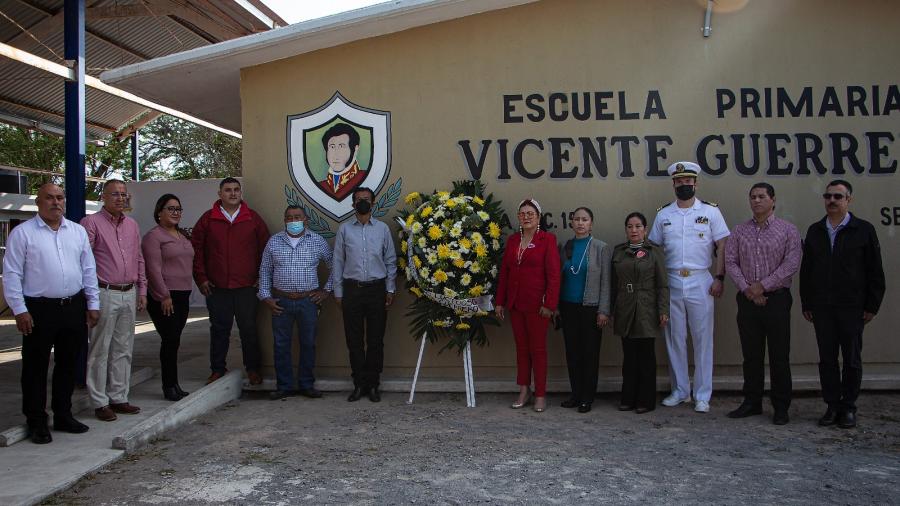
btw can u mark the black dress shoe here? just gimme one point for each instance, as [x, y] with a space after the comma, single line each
[374, 395]
[277, 395]
[40, 435]
[780, 417]
[625, 407]
[847, 420]
[171, 394]
[69, 424]
[180, 391]
[355, 395]
[584, 407]
[312, 393]
[829, 418]
[569, 403]
[643, 410]
[746, 409]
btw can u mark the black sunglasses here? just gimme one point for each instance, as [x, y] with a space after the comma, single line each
[835, 196]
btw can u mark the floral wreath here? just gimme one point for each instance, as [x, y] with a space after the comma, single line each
[451, 244]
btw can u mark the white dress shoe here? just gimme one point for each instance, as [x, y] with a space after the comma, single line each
[701, 407]
[674, 400]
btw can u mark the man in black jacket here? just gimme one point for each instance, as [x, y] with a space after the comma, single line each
[841, 287]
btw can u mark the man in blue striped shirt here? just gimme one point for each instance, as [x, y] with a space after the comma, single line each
[289, 285]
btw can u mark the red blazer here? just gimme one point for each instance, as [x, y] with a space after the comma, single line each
[228, 254]
[535, 282]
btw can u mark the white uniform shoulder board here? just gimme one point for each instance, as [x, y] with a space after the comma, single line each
[660, 208]
[709, 203]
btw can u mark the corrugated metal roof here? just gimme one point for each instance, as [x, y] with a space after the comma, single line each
[118, 33]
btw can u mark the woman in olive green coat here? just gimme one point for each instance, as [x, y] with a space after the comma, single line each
[640, 302]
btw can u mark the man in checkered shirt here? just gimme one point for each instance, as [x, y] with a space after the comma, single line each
[289, 285]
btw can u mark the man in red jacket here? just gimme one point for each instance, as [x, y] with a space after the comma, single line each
[229, 240]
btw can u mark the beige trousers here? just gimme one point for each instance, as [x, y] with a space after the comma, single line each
[109, 354]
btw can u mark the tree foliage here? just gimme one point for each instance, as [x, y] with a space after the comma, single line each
[169, 149]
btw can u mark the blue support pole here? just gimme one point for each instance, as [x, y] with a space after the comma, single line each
[135, 156]
[75, 110]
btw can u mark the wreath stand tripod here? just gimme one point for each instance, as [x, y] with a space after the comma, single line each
[467, 368]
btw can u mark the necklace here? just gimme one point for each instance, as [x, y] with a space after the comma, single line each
[583, 254]
[521, 251]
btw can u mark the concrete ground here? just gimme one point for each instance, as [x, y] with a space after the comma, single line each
[437, 451]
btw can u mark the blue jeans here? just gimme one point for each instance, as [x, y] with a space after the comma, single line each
[305, 313]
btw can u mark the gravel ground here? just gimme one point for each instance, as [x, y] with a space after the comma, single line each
[437, 451]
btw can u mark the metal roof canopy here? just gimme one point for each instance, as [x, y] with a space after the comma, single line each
[206, 81]
[117, 32]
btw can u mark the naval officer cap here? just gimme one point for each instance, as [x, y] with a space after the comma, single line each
[683, 169]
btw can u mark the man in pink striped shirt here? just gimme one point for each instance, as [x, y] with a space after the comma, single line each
[761, 258]
[116, 242]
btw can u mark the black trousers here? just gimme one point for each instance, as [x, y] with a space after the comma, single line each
[582, 337]
[839, 331]
[639, 372]
[169, 329]
[758, 326]
[364, 321]
[225, 306]
[60, 327]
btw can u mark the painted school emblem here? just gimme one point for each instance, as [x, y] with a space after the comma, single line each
[336, 148]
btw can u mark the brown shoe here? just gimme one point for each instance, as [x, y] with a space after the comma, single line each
[254, 378]
[105, 414]
[125, 408]
[214, 376]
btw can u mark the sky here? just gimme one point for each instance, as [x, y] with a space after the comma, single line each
[294, 11]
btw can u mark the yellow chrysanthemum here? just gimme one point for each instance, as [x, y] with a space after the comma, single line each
[401, 262]
[459, 263]
[451, 203]
[417, 262]
[494, 230]
[443, 251]
[476, 290]
[465, 243]
[404, 246]
[440, 276]
[410, 219]
[426, 211]
[462, 326]
[478, 200]
[412, 197]
[481, 250]
[434, 232]
[415, 290]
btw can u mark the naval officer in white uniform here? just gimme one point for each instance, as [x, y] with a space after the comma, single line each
[693, 234]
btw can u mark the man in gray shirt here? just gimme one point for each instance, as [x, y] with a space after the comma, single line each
[364, 279]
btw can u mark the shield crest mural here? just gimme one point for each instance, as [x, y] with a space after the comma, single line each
[336, 148]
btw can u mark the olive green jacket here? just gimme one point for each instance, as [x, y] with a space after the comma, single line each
[640, 290]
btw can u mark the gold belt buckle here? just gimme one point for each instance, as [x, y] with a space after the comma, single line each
[684, 273]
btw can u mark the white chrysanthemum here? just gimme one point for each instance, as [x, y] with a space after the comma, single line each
[438, 214]
[484, 216]
[416, 227]
[477, 237]
[449, 293]
[465, 280]
[475, 268]
[424, 272]
[495, 244]
[494, 272]
[422, 242]
[431, 258]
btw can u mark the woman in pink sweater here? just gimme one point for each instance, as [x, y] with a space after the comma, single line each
[168, 256]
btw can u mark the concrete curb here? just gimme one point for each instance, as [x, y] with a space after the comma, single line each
[15, 434]
[197, 403]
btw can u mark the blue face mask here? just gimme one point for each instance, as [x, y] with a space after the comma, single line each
[294, 227]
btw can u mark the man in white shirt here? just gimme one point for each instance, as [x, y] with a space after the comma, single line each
[693, 234]
[50, 283]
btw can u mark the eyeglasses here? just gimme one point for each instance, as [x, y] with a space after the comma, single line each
[529, 214]
[834, 196]
[174, 210]
[117, 195]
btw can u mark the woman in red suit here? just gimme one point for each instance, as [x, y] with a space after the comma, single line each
[529, 288]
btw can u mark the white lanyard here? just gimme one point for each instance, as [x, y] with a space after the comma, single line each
[583, 254]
